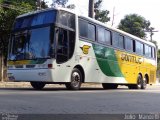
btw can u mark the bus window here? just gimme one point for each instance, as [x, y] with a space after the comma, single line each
[41, 18]
[129, 44]
[104, 36]
[115, 39]
[139, 48]
[150, 52]
[101, 35]
[87, 30]
[108, 37]
[44, 18]
[62, 45]
[91, 32]
[118, 40]
[83, 28]
[121, 42]
[67, 19]
[146, 50]
[65, 44]
[153, 52]
[71, 43]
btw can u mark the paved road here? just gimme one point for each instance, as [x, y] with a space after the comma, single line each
[85, 101]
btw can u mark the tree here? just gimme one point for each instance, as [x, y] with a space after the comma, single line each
[155, 42]
[40, 4]
[101, 15]
[63, 3]
[91, 9]
[158, 63]
[135, 25]
[60, 2]
[9, 10]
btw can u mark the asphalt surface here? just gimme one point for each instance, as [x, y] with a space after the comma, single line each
[84, 101]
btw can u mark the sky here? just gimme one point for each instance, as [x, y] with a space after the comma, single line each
[146, 8]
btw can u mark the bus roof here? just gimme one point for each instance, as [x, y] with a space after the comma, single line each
[92, 20]
[43, 10]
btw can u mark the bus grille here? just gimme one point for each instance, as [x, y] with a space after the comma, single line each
[30, 66]
[18, 66]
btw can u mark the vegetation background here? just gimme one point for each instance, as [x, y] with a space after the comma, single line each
[10, 9]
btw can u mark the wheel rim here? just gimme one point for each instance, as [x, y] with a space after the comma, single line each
[76, 79]
[144, 83]
[139, 82]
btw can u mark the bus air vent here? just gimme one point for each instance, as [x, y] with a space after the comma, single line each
[18, 66]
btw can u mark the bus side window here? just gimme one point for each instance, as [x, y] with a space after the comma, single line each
[101, 35]
[134, 46]
[153, 52]
[139, 48]
[118, 40]
[65, 45]
[83, 28]
[115, 39]
[71, 43]
[128, 44]
[62, 46]
[91, 32]
[108, 37]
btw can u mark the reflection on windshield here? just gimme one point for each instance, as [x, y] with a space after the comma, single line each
[37, 19]
[31, 45]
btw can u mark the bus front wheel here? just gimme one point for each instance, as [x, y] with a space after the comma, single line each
[76, 80]
[37, 85]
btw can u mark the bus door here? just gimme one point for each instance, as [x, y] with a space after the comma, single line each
[64, 50]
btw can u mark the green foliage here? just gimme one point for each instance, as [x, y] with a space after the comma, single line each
[155, 42]
[101, 15]
[60, 2]
[9, 10]
[158, 61]
[134, 24]
[158, 55]
[63, 3]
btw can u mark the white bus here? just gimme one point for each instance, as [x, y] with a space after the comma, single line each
[56, 46]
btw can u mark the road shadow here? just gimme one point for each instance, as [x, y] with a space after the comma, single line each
[62, 89]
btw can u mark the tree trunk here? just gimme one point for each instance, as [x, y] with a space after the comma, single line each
[91, 9]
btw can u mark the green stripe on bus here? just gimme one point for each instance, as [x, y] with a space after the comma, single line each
[107, 61]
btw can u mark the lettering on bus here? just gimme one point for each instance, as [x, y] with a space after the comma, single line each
[131, 58]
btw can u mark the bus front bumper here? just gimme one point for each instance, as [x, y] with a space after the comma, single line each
[39, 75]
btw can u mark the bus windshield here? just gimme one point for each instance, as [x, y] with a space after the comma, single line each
[31, 44]
[31, 37]
[46, 17]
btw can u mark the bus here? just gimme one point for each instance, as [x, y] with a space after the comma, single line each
[57, 46]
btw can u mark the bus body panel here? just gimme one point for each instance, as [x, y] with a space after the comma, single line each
[94, 70]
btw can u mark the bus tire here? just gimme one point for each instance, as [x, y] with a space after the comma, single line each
[76, 80]
[138, 85]
[144, 83]
[109, 86]
[38, 85]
